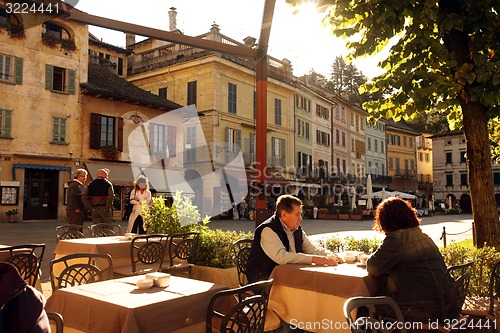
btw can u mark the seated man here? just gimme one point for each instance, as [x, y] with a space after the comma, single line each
[280, 240]
[21, 306]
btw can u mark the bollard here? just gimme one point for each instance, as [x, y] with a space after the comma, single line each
[443, 236]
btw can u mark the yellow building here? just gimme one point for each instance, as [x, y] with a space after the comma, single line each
[222, 87]
[401, 156]
[46, 100]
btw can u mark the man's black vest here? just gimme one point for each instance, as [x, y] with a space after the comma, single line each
[98, 188]
[259, 265]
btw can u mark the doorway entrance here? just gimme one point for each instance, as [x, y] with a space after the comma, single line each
[40, 194]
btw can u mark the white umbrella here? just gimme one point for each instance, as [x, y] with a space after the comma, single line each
[384, 194]
[353, 200]
[403, 195]
[450, 202]
[369, 190]
[431, 203]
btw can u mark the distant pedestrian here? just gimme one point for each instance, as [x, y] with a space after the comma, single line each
[98, 198]
[138, 196]
[75, 209]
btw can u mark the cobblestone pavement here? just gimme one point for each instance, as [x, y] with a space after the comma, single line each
[44, 232]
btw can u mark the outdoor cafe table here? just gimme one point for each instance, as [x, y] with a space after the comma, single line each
[313, 296]
[118, 306]
[118, 247]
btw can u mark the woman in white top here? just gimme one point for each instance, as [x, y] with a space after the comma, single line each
[139, 195]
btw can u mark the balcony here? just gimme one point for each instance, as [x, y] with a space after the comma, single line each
[424, 178]
[276, 161]
[404, 173]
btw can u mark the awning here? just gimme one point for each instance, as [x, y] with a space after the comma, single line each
[38, 166]
[161, 180]
[118, 174]
[270, 179]
[311, 185]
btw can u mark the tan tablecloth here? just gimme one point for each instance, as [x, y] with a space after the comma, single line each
[312, 297]
[116, 246]
[119, 306]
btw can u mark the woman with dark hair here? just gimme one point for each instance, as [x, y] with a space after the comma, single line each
[409, 259]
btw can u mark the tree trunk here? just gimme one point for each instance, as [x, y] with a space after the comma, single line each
[486, 226]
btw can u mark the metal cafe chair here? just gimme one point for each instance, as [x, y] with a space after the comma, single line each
[80, 268]
[105, 229]
[373, 323]
[72, 231]
[146, 254]
[57, 321]
[247, 315]
[181, 248]
[27, 258]
[242, 248]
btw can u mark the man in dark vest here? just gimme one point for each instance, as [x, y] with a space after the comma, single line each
[281, 240]
[98, 198]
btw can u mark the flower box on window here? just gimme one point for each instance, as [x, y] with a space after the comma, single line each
[14, 30]
[110, 153]
[52, 42]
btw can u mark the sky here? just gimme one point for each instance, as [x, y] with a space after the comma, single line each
[296, 34]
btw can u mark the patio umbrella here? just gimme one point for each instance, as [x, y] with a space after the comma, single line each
[353, 200]
[369, 190]
[384, 194]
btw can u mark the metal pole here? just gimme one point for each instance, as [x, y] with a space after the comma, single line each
[443, 236]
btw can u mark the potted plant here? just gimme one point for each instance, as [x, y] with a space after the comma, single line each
[14, 30]
[110, 153]
[356, 214]
[11, 215]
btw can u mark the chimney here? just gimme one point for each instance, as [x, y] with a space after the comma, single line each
[129, 40]
[172, 18]
[250, 41]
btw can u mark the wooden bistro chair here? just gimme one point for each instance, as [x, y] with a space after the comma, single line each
[247, 313]
[146, 255]
[105, 230]
[181, 248]
[373, 323]
[242, 248]
[27, 259]
[72, 231]
[80, 268]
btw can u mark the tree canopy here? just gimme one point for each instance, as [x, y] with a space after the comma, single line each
[443, 55]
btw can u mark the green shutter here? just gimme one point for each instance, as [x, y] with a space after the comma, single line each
[62, 134]
[55, 132]
[283, 153]
[18, 70]
[71, 81]
[49, 77]
[238, 138]
[8, 124]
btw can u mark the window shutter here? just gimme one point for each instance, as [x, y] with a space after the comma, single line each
[283, 153]
[119, 145]
[49, 77]
[71, 81]
[273, 146]
[171, 140]
[151, 142]
[18, 70]
[227, 135]
[238, 138]
[8, 124]
[62, 135]
[95, 131]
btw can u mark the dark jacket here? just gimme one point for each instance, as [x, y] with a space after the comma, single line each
[99, 192]
[74, 195]
[21, 306]
[259, 265]
[414, 265]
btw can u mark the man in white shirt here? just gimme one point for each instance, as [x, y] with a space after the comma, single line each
[281, 240]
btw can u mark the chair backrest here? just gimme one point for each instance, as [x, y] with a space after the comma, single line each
[494, 289]
[373, 323]
[58, 321]
[27, 259]
[242, 248]
[105, 229]
[458, 288]
[72, 231]
[182, 246]
[80, 268]
[148, 250]
[249, 313]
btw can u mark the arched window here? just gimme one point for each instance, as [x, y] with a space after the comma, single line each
[7, 18]
[55, 30]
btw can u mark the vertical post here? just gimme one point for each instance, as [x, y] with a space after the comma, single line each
[261, 141]
[473, 234]
[443, 236]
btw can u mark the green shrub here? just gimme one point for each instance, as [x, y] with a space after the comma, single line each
[183, 216]
[215, 248]
[349, 243]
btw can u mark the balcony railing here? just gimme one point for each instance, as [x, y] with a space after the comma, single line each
[424, 178]
[404, 173]
[249, 159]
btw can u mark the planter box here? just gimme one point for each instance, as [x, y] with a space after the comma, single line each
[223, 276]
[344, 216]
[328, 216]
[356, 216]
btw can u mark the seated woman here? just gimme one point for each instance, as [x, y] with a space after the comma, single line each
[411, 261]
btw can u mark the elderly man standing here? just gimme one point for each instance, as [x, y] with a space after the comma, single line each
[98, 198]
[75, 209]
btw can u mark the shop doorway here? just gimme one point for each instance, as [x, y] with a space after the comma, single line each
[40, 194]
